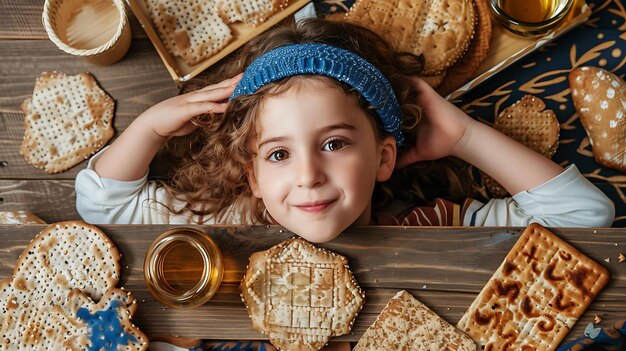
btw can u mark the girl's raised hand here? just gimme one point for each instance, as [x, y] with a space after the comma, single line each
[173, 117]
[442, 127]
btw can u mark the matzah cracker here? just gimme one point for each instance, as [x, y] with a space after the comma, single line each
[536, 295]
[251, 12]
[528, 122]
[192, 30]
[67, 119]
[300, 295]
[600, 100]
[441, 30]
[407, 324]
[62, 257]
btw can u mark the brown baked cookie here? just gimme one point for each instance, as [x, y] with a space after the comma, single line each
[536, 296]
[466, 67]
[441, 30]
[67, 119]
[529, 123]
[300, 295]
[407, 324]
[600, 100]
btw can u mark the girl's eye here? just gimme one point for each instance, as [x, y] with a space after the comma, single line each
[278, 155]
[334, 145]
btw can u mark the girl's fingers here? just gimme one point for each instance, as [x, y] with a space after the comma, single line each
[225, 83]
[217, 94]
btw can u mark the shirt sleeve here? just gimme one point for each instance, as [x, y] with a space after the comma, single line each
[110, 201]
[567, 200]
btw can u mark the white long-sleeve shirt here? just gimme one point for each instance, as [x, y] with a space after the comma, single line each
[567, 200]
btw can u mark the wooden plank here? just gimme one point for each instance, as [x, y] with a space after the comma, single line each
[137, 82]
[21, 19]
[51, 200]
[444, 267]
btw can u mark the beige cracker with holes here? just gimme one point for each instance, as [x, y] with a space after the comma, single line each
[536, 295]
[192, 30]
[67, 119]
[407, 324]
[300, 295]
[250, 12]
[530, 123]
[62, 257]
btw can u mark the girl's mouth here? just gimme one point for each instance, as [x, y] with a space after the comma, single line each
[315, 207]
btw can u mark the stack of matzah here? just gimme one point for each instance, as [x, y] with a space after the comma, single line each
[196, 30]
[452, 35]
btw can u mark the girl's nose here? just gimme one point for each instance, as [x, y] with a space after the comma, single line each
[310, 173]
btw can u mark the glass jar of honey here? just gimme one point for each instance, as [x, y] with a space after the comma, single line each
[183, 268]
[530, 17]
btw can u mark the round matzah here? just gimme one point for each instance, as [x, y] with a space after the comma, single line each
[441, 30]
[61, 257]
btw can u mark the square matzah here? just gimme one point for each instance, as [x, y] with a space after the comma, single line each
[536, 296]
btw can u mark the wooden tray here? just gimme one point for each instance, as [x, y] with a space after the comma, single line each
[179, 69]
[506, 48]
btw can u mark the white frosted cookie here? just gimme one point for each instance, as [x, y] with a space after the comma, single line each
[300, 295]
[67, 119]
[600, 100]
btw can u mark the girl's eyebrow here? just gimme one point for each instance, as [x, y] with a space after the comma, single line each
[322, 130]
[271, 140]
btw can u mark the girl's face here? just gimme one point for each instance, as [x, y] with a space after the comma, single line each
[316, 160]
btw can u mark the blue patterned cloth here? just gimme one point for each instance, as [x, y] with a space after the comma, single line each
[600, 42]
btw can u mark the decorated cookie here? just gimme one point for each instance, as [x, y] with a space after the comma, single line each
[300, 295]
[102, 326]
[600, 100]
[63, 257]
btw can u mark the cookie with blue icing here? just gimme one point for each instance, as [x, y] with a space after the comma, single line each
[102, 326]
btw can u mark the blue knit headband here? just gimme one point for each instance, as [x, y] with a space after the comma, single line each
[343, 65]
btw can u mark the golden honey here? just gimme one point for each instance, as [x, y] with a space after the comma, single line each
[530, 17]
[183, 268]
[529, 10]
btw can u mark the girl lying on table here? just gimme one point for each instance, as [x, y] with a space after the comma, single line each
[324, 128]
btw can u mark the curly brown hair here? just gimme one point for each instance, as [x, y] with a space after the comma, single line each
[212, 177]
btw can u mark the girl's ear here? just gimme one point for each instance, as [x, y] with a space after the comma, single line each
[254, 185]
[387, 153]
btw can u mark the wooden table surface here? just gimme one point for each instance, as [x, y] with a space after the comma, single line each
[443, 267]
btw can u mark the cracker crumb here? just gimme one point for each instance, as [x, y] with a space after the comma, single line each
[621, 258]
[597, 319]
[608, 259]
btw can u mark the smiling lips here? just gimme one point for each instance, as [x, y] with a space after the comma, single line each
[315, 207]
